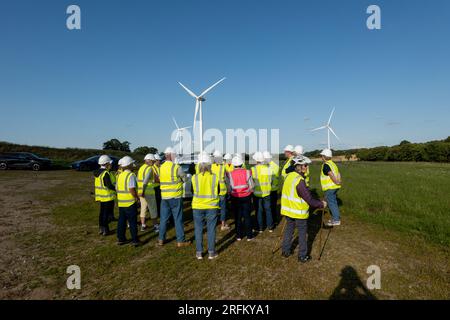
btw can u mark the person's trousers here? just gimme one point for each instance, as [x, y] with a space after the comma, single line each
[106, 211]
[210, 216]
[172, 207]
[274, 206]
[128, 214]
[158, 200]
[331, 198]
[264, 206]
[148, 202]
[302, 227]
[241, 208]
[223, 208]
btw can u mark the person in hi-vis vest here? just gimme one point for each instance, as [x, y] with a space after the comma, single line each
[296, 199]
[127, 200]
[275, 171]
[147, 180]
[105, 193]
[171, 177]
[218, 168]
[156, 167]
[205, 202]
[330, 180]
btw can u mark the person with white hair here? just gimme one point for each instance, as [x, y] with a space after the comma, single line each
[171, 177]
[146, 191]
[296, 200]
[218, 169]
[275, 171]
[105, 193]
[262, 177]
[240, 186]
[330, 180]
[127, 199]
[205, 202]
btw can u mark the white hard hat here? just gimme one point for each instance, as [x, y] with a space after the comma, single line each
[120, 162]
[289, 148]
[157, 157]
[238, 155]
[258, 157]
[227, 156]
[126, 161]
[204, 158]
[326, 153]
[104, 159]
[298, 150]
[150, 156]
[169, 150]
[237, 161]
[217, 154]
[301, 160]
[267, 155]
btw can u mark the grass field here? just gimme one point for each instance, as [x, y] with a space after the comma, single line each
[395, 215]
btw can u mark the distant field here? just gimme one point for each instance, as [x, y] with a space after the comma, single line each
[395, 215]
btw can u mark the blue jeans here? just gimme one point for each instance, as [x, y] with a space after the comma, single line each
[211, 220]
[264, 205]
[127, 214]
[172, 207]
[302, 226]
[223, 208]
[331, 198]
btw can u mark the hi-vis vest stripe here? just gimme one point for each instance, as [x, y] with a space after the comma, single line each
[142, 173]
[219, 171]
[262, 175]
[292, 205]
[205, 187]
[124, 196]
[171, 184]
[102, 193]
[325, 181]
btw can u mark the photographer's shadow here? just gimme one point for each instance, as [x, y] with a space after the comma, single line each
[351, 287]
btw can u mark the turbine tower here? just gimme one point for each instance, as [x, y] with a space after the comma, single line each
[329, 129]
[198, 108]
[179, 131]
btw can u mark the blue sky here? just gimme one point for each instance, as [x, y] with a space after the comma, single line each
[287, 64]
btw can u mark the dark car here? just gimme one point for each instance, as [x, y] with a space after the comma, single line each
[23, 160]
[91, 164]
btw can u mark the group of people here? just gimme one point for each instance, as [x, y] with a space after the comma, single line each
[218, 180]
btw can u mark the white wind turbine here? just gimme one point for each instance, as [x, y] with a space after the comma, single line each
[329, 129]
[179, 131]
[198, 108]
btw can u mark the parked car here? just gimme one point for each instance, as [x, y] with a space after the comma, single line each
[91, 164]
[23, 160]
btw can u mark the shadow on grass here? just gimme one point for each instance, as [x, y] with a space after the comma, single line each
[351, 287]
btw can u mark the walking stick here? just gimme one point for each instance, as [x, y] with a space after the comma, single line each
[324, 211]
[277, 246]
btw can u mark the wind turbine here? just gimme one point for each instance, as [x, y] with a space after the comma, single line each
[198, 108]
[329, 129]
[179, 131]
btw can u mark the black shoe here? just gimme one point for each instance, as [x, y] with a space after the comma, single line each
[304, 259]
[137, 244]
[121, 243]
[285, 254]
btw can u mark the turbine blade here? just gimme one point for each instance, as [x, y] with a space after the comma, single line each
[320, 128]
[209, 89]
[334, 133]
[195, 113]
[329, 120]
[184, 128]
[176, 124]
[188, 91]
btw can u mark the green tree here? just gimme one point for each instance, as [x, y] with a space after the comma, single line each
[145, 150]
[115, 144]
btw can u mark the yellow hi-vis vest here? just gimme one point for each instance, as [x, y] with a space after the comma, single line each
[142, 173]
[171, 183]
[275, 175]
[229, 167]
[292, 205]
[156, 173]
[102, 193]
[262, 176]
[307, 175]
[124, 196]
[325, 181]
[205, 186]
[219, 171]
[285, 166]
